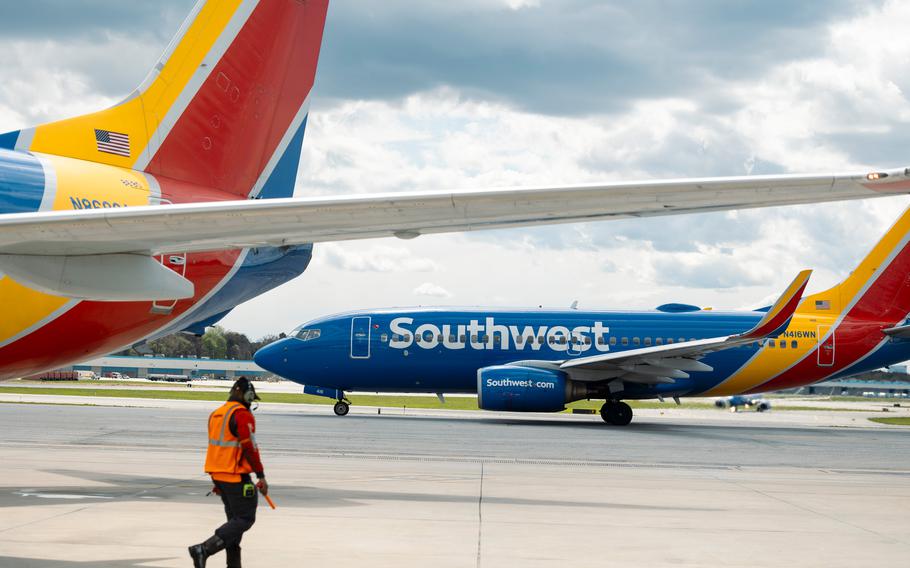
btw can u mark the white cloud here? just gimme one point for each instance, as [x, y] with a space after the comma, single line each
[432, 290]
[519, 4]
[377, 258]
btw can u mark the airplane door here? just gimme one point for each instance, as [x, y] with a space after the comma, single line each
[826, 347]
[360, 338]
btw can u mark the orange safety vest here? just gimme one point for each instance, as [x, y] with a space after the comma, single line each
[224, 459]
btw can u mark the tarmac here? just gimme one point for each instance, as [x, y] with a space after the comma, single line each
[110, 486]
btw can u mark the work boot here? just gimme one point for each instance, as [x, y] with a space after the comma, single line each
[233, 557]
[200, 552]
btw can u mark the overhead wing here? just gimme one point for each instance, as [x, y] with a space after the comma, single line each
[664, 363]
[276, 222]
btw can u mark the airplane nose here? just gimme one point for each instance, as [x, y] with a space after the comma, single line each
[271, 358]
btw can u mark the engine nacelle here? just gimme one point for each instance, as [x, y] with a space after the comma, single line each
[526, 389]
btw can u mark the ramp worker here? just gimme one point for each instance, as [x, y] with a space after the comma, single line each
[231, 457]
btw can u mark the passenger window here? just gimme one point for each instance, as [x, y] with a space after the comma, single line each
[587, 341]
[625, 340]
[682, 339]
[659, 341]
[793, 344]
[384, 338]
[464, 338]
[612, 341]
[484, 338]
[647, 341]
[669, 340]
[636, 341]
[473, 339]
[396, 337]
[783, 344]
[691, 339]
[562, 340]
[540, 340]
[418, 339]
[771, 343]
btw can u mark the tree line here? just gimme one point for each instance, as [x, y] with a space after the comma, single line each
[216, 343]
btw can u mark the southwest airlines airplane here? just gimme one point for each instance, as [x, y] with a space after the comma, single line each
[539, 360]
[164, 212]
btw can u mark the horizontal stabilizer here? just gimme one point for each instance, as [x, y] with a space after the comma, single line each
[103, 278]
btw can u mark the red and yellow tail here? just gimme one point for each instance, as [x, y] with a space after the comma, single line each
[223, 106]
[846, 324]
[878, 290]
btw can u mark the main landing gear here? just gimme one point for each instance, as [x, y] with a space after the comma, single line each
[616, 412]
[342, 407]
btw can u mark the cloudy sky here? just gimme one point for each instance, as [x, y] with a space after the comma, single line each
[436, 95]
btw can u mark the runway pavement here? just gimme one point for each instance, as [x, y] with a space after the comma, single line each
[107, 486]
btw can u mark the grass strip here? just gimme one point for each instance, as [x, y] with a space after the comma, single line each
[887, 399]
[896, 421]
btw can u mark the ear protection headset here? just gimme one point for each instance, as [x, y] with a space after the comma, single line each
[247, 390]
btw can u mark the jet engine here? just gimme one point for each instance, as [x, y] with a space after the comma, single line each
[527, 389]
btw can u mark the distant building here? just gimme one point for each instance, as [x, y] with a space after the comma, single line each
[142, 367]
[875, 383]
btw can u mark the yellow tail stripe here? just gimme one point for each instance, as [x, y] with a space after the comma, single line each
[23, 308]
[139, 116]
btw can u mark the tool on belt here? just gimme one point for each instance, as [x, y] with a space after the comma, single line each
[248, 491]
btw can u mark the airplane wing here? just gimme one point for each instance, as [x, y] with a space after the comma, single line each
[277, 222]
[664, 363]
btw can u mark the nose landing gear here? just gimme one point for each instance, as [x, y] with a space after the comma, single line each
[616, 412]
[342, 407]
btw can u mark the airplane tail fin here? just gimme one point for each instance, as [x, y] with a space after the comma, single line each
[225, 106]
[878, 289]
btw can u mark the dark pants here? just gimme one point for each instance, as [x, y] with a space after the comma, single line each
[240, 512]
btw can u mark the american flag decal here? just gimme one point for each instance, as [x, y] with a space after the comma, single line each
[822, 305]
[113, 142]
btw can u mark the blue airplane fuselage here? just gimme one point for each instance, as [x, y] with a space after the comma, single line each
[441, 350]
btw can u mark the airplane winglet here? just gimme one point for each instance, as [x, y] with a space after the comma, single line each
[778, 317]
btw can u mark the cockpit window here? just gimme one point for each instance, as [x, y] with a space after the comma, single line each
[308, 334]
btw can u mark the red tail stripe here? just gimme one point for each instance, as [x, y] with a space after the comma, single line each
[233, 125]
